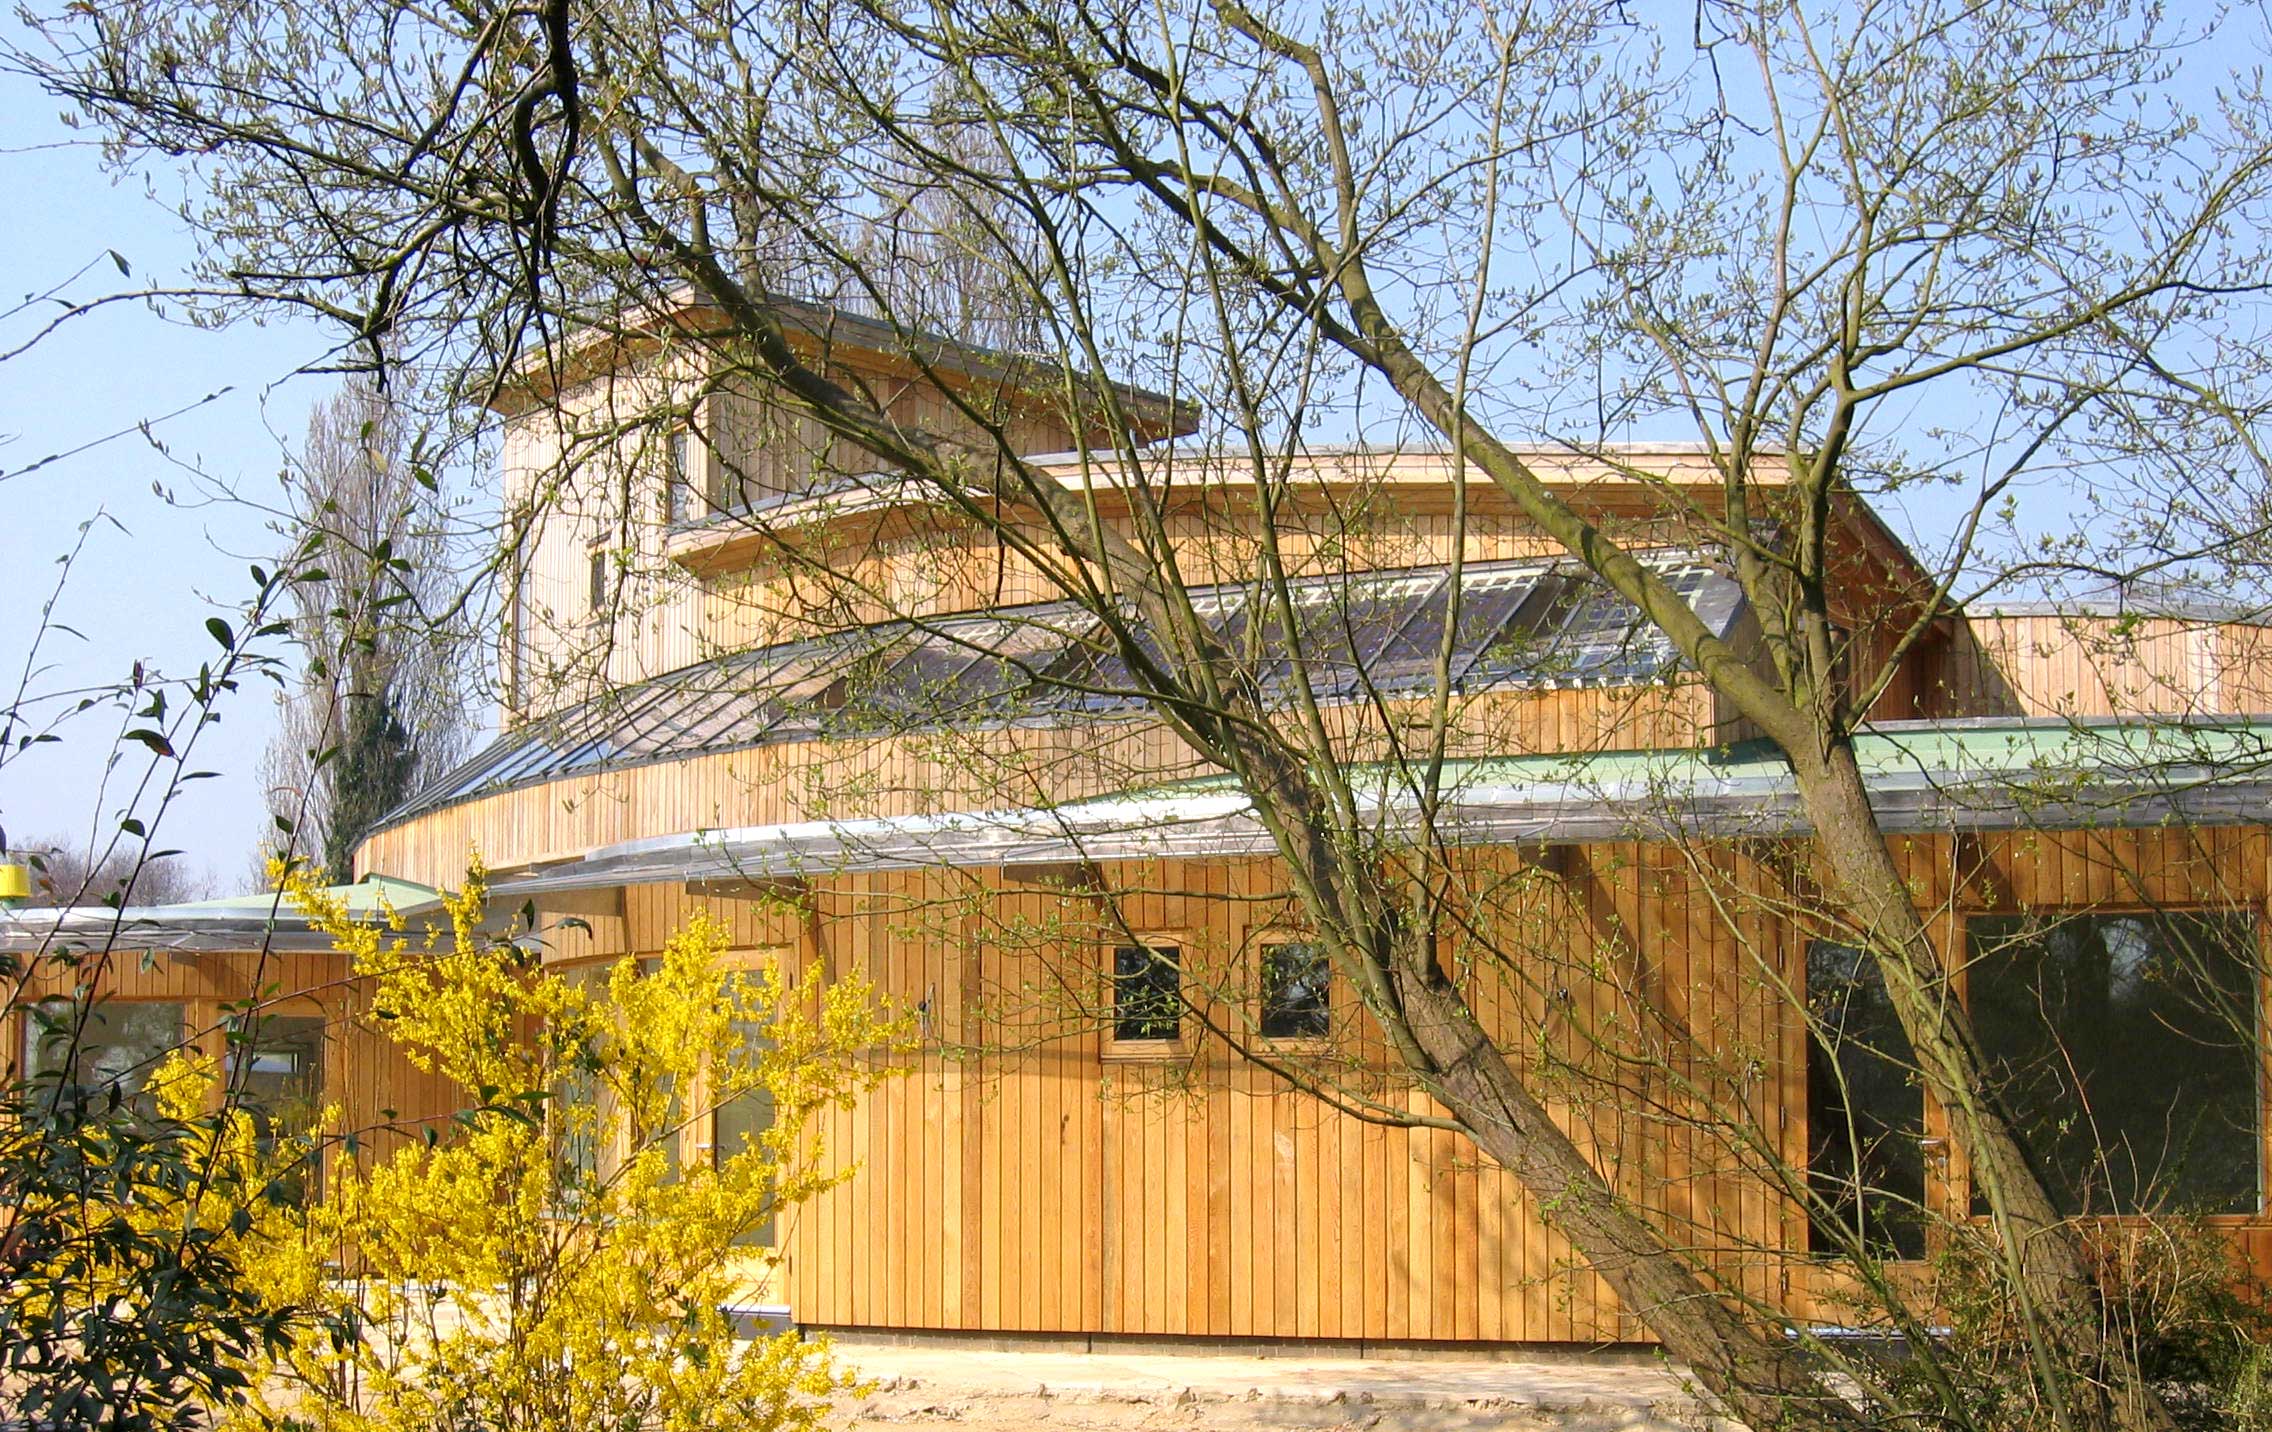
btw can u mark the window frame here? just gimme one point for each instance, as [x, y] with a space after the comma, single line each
[689, 498]
[701, 1130]
[699, 1137]
[695, 1144]
[610, 1139]
[1116, 1046]
[190, 1038]
[601, 583]
[204, 1031]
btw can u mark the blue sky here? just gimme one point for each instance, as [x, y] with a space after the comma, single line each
[179, 555]
[143, 593]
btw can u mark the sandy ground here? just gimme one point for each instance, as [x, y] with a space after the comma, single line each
[1111, 1392]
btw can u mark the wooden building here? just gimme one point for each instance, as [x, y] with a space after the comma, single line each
[745, 676]
[245, 982]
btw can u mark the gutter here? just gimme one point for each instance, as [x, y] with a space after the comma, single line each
[1198, 824]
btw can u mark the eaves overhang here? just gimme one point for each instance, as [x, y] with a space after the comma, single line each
[1923, 778]
[237, 925]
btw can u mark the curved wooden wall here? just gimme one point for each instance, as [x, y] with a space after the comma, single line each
[382, 1096]
[1023, 1178]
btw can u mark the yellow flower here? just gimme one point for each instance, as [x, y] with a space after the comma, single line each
[551, 1262]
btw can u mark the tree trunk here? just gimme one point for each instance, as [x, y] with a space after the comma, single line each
[1767, 1384]
[2060, 1296]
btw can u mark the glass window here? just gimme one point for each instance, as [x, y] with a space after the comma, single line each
[673, 1130]
[684, 487]
[117, 1048]
[1865, 1111]
[274, 1070]
[1147, 992]
[602, 569]
[2126, 1048]
[578, 1126]
[1297, 986]
[738, 1122]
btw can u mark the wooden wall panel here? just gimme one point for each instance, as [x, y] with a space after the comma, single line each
[1020, 1179]
[383, 1098]
[2089, 666]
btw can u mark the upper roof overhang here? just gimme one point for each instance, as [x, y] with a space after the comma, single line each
[826, 334]
[1923, 778]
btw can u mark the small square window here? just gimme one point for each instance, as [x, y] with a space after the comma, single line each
[1297, 991]
[1147, 992]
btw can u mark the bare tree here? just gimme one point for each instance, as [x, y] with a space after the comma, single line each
[63, 876]
[381, 701]
[1514, 229]
[948, 254]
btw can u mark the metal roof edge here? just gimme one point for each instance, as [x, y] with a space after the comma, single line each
[233, 924]
[1751, 798]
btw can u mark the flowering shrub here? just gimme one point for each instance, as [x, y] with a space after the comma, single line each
[124, 1299]
[549, 1263]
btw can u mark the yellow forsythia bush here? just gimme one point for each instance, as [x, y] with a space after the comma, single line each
[546, 1263]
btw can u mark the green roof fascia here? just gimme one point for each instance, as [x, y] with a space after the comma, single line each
[1980, 749]
[371, 895]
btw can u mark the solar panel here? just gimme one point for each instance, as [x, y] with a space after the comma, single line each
[1342, 627]
[1486, 601]
[1096, 677]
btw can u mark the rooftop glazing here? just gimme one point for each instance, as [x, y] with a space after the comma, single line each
[1530, 624]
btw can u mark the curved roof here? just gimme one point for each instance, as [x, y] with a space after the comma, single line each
[2027, 773]
[1521, 624]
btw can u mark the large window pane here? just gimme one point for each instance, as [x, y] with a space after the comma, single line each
[118, 1047]
[739, 1121]
[578, 1128]
[275, 1072]
[2126, 1048]
[673, 1131]
[276, 1069]
[1865, 1111]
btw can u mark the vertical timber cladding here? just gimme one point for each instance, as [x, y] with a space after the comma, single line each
[1025, 1176]
[382, 1097]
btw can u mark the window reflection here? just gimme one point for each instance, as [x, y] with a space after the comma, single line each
[1297, 984]
[1865, 1111]
[109, 1054]
[2125, 1047]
